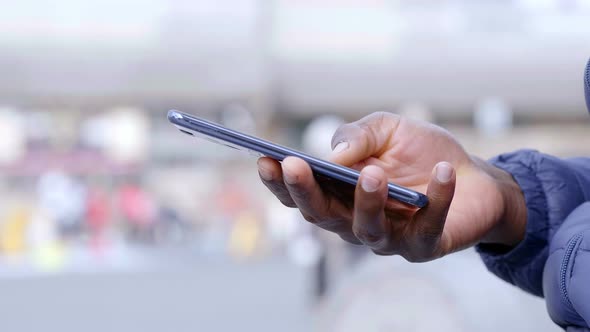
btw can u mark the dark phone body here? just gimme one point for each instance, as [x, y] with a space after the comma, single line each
[213, 132]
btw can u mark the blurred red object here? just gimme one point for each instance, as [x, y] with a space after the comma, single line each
[136, 205]
[98, 211]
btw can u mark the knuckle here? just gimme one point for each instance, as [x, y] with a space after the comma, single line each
[412, 257]
[299, 194]
[282, 194]
[439, 201]
[370, 238]
[329, 224]
[420, 255]
[378, 118]
[288, 203]
[350, 238]
[429, 235]
[275, 187]
[383, 252]
[380, 115]
[309, 218]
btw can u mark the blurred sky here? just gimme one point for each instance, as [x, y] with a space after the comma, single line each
[303, 56]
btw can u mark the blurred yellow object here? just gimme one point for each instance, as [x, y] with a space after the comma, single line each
[12, 231]
[50, 257]
[245, 235]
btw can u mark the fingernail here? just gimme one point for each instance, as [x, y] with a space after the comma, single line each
[369, 183]
[264, 173]
[340, 147]
[289, 178]
[444, 172]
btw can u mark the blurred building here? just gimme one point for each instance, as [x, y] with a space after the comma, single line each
[297, 58]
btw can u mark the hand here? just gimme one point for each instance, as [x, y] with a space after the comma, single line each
[470, 201]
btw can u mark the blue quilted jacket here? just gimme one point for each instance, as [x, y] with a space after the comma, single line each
[553, 260]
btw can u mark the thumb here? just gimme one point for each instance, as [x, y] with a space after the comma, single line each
[430, 220]
[357, 141]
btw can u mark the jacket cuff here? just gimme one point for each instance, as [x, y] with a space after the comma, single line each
[517, 265]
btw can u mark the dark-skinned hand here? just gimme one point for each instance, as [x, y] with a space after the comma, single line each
[470, 201]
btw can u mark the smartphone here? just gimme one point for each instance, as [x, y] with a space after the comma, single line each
[216, 133]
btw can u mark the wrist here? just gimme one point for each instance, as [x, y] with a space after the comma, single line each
[509, 225]
[514, 217]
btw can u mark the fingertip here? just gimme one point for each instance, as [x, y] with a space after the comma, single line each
[369, 224]
[374, 171]
[444, 172]
[267, 168]
[442, 185]
[294, 169]
[348, 145]
[340, 147]
[263, 160]
[372, 179]
[267, 162]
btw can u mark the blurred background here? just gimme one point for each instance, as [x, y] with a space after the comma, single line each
[112, 220]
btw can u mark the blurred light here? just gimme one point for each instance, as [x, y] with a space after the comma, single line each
[95, 131]
[317, 136]
[283, 229]
[238, 117]
[79, 22]
[305, 250]
[493, 117]
[127, 134]
[38, 125]
[416, 111]
[42, 231]
[61, 198]
[351, 31]
[539, 4]
[12, 127]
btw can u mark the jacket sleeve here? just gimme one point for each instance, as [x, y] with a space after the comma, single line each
[552, 189]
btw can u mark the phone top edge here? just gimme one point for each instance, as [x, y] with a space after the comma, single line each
[184, 120]
[174, 115]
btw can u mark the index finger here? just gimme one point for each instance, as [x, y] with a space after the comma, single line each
[271, 174]
[315, 205]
